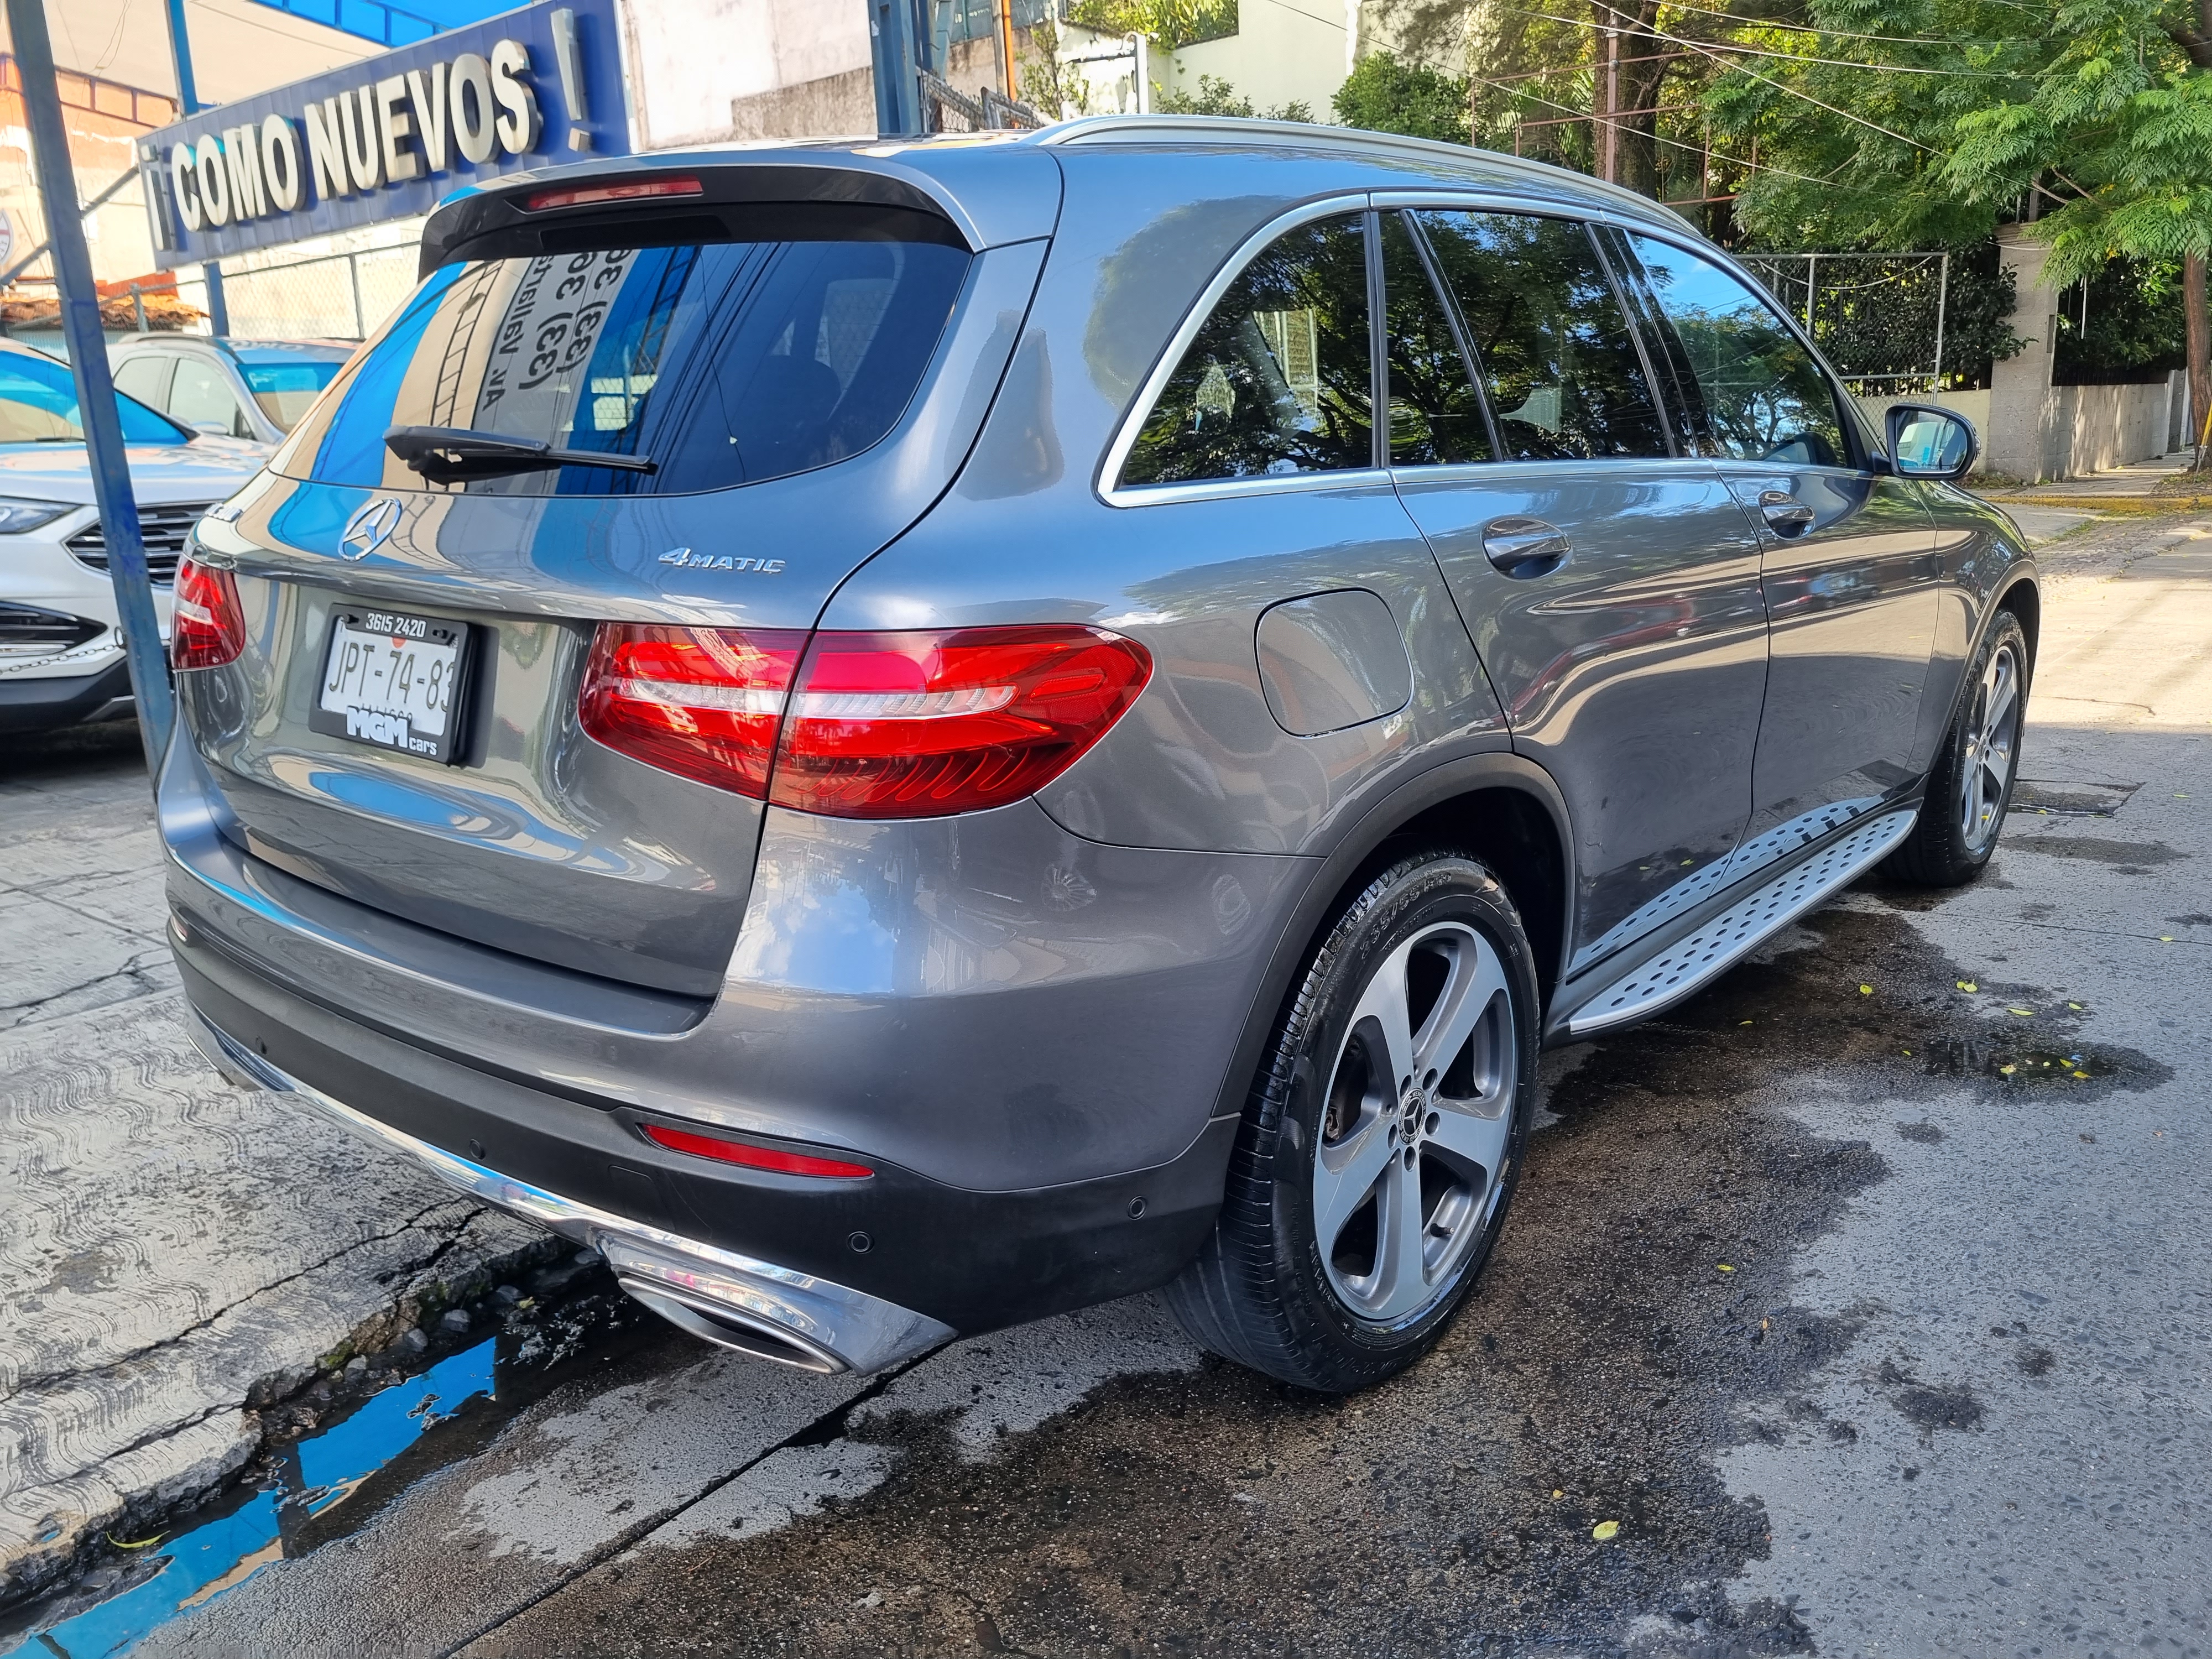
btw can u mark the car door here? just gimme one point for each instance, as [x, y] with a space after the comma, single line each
[1611, 585]
[1848, 553]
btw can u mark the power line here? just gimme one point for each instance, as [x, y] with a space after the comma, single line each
[1574, 22]
[1672, 143]
[1808, 28]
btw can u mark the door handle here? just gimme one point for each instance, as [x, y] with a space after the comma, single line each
[1522, 547]
[1785, 515]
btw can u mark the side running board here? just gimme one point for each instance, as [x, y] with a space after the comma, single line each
[1743, 927]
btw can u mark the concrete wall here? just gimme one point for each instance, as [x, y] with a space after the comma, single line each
[2037, 431]
[704, 70]
[1281, 53]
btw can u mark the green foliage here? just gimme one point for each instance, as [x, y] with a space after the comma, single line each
[1977, 316]
[1172, 23]
[2135, 326]
[1935, 129]
[1386, 94]
[1216, 96]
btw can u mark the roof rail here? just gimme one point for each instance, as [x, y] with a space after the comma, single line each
[1228, 129]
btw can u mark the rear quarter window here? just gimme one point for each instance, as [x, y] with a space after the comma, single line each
[723, 363]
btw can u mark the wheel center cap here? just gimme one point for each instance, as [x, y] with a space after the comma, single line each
[1411, 1106]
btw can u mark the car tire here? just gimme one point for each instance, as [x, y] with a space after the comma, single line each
[1969, 785]
[1378, 1152]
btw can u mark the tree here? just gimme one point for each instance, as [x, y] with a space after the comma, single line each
[1387, 94]
[1891, 123]
[1169, 23]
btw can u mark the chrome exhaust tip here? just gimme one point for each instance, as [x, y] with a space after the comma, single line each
[728, 1327]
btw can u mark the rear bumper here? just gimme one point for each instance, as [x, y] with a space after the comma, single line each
[858, 1273]
[44, 705]
[792, 1317]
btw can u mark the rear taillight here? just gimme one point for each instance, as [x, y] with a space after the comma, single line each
[918, 724]
[702, 703]
[871, 725]
[207, 629]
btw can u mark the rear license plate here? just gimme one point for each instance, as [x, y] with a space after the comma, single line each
[394, 681]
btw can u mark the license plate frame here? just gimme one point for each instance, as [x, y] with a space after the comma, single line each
[394, 732]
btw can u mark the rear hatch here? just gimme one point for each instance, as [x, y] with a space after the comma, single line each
[803, 378]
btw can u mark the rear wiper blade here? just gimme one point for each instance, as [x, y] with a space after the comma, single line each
[446, 454]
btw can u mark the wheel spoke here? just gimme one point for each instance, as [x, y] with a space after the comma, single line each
[1344, 1176]
[2002, 699]
[1474, 1137]
[1401, 1284]
[1385, 1002]
[1477, 978]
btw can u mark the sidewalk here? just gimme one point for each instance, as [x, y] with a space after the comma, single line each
[2048, 511]
[177, 1256]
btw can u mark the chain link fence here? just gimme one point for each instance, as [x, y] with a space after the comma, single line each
[1880, 318]
[335, 296]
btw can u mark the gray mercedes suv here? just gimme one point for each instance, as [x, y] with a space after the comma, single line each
[902, 736]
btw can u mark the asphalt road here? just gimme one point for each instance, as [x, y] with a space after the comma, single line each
[1863, 1305]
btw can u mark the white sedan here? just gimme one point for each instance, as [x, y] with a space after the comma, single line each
[61, 650]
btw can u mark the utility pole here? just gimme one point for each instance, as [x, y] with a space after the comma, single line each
[1008, 71]
[896, 41]
[95, 391]
[1611, 171]
[188, 103]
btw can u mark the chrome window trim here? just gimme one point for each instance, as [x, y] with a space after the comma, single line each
[1504, 473]
[1107, 483]
[1484, 200]
[1268, 483]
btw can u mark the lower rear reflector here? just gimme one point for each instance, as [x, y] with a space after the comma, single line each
[753, 1157]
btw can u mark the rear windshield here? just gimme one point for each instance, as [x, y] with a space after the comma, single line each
[722, 363]
[285, 390]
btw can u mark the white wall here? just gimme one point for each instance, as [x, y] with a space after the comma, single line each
[692, 62]
[1283, 51]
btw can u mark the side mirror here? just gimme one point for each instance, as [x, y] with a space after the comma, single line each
[1927, 440]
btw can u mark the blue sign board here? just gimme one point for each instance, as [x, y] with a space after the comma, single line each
[388, 137]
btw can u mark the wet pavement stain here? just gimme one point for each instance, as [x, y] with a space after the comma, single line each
[336, 1453]
[1638, 1306]
[2129, 858]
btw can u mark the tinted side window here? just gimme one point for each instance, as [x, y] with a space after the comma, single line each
[1763, 397]
[1436, 414]
[145, 376]
[1554, 350]
[203, 394]
[1278, 379]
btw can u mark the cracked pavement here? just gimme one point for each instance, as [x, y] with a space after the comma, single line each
[174, 1252]
[1836, 1315]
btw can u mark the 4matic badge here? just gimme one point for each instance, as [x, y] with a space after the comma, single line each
[684, 557]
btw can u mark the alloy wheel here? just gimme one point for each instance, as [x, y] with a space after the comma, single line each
[1416, 1123]
[1992, 738]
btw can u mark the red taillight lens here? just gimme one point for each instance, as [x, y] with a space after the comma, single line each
[753, 1157]
[630, 190]
[207, 628]
[919, 725]
[702, 703]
